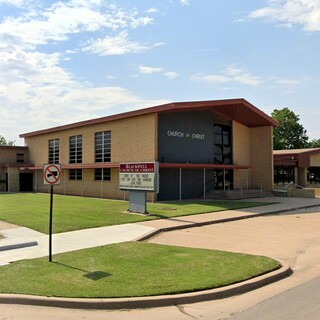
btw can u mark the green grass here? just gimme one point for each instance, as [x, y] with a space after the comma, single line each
[76, 213]
[131, 269]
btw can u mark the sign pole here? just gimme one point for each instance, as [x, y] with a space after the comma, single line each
[50, 224]
[51, 176]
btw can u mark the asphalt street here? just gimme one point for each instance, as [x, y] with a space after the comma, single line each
[302, 302]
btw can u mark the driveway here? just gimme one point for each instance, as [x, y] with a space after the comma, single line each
[290, 237]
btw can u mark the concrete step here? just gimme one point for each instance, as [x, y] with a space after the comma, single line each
[11, 244]
[237, 194]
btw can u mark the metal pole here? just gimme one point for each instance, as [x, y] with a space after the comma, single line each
[204, 183]
[50, 224]
[101, 189]
[180, 190]
[36, 181]
[8, 179]
[224, 179]
[64, 182]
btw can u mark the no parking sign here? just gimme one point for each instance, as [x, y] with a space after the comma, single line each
[51, 174]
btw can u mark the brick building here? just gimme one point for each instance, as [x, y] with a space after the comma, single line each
[200, 146]
[300, 166]
[12, 162]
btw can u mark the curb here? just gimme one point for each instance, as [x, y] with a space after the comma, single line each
[12, 244]
[150, 302]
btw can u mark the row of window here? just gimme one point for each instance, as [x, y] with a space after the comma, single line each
[102, 148]
[99, 174]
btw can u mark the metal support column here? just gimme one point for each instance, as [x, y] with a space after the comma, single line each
[180, 180]
[204, 183]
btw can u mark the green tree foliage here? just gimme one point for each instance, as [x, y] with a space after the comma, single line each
[4, 142]
[315, 143]
[290, 134]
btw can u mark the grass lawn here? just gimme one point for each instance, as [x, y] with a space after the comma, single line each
[131, 269]
[75, 213]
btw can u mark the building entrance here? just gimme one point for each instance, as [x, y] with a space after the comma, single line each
[223, 179]
[26, 181]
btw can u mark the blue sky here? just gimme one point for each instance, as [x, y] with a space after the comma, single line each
[66, 61]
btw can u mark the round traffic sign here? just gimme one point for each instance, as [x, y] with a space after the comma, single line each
[52, 174]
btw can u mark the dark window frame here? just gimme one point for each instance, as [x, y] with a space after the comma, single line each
[20, 157]
[75, 174]
[75, 149]
[223, 142]
[102, 174]
[54, 151]
[102, 146]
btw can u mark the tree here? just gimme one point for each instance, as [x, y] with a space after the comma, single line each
[315, 143]
[290, 134]
[4, 142]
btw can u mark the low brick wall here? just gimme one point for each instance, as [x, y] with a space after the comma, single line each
[302, 193]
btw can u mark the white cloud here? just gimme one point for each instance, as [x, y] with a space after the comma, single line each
[117, 45]
[35, 93]
[152, 70]
[288, 82]
[62, 19]
[292, 12]
[152, 10]
[149, 70]
[16, 3]
[185, 2]
[231, 74]
[35, 90]
[171, 75]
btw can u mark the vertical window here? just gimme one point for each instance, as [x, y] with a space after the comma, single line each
[102, 174]
[54, 151]
[75, 174]
[222, 144]
[20, 157]
[75, 149]
[103, 146]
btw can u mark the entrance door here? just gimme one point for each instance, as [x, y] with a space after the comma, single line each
[26, 181]
[223, 182]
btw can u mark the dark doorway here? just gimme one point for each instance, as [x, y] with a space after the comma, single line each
[26, 181]
[223, 179]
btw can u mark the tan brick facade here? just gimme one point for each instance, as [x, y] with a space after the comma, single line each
[253, 146]
[134, 138]
[261, 172]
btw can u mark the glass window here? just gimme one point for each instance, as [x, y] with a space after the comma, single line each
[75, 149]
[102, 174]
[222, 144]
[75, 174]
[103, 146]
[54, 151]
[20, 157]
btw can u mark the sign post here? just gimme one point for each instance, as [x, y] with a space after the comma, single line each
[51, 176]
[138, 178]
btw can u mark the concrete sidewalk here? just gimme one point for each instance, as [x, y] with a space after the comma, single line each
[67, 241]
[88, 238]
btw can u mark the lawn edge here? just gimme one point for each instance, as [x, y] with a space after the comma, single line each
[152, 301]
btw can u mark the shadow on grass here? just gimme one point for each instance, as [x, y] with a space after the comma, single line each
[95, 275]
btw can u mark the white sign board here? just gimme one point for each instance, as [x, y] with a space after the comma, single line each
[51, 174]
[139, 176]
